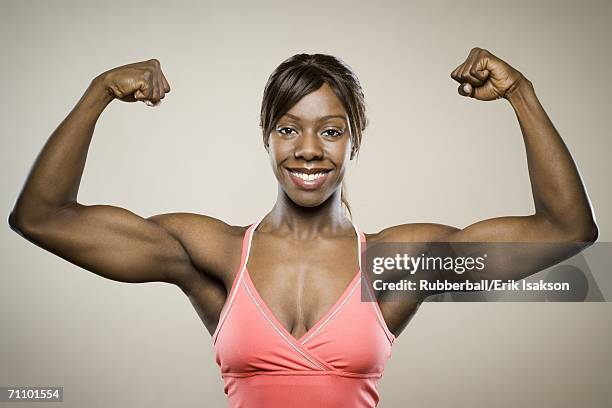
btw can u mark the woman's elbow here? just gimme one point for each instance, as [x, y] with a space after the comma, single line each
[587, 233]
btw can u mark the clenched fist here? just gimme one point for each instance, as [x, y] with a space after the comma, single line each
[141, 81]
[485, 77]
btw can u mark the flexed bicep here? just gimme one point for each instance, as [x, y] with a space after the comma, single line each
[509, 248]
[443, 258]
[114, 243]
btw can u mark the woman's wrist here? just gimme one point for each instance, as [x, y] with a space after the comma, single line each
[96, 98]
[520, 91]
[99, 87]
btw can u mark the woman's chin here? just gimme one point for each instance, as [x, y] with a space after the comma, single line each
[308, 203]
[308, 200]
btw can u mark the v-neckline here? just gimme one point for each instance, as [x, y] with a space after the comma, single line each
[324, 318]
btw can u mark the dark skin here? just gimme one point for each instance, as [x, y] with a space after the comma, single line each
[304, 252]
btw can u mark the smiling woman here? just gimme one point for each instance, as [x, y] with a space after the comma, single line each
[282, 297]
[337, 111]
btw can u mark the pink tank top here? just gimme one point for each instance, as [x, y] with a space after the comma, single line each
[337, 363]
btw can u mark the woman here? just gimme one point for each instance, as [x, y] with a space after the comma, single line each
[281, 296]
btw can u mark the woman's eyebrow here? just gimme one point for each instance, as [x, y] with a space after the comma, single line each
[321, 119]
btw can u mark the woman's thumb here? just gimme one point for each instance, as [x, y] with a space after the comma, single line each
[139, 95]
[466, 89]
[142, 91]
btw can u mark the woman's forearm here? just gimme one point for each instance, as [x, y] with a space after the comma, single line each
[55, 176]
[558, 192]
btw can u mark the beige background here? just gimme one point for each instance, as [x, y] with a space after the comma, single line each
[428, 156]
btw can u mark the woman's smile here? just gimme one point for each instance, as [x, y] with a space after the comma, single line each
[308, 179]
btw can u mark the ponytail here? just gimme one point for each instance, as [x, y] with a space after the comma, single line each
[344, 200]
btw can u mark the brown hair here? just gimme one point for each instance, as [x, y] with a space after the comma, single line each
[302, 74]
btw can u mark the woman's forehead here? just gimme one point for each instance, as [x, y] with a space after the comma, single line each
[322, 104]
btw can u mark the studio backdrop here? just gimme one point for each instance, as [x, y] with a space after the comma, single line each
[443, 158]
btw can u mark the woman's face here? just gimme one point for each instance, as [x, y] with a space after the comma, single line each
[310, 147]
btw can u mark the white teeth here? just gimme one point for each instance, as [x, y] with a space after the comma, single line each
[308, 177]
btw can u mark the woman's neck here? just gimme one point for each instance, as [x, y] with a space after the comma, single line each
[305, 223]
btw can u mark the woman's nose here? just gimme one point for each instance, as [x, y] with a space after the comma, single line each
[308, 146]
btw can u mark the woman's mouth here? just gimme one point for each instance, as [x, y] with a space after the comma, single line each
[308, 179]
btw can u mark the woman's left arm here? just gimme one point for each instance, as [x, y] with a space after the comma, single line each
[563, 214]
[562, 209]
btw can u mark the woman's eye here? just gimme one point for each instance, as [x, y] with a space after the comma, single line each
[285, 131]
[332, 132]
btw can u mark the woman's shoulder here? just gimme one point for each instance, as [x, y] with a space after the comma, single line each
[208, 240]
[192, 224]
[412, 232]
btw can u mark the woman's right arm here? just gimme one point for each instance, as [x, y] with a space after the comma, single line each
[109, 241]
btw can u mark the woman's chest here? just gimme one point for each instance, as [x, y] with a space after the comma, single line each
[300, 282]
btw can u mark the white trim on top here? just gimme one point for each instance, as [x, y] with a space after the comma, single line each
[350, 292]
[238, 279]
[276, 328]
